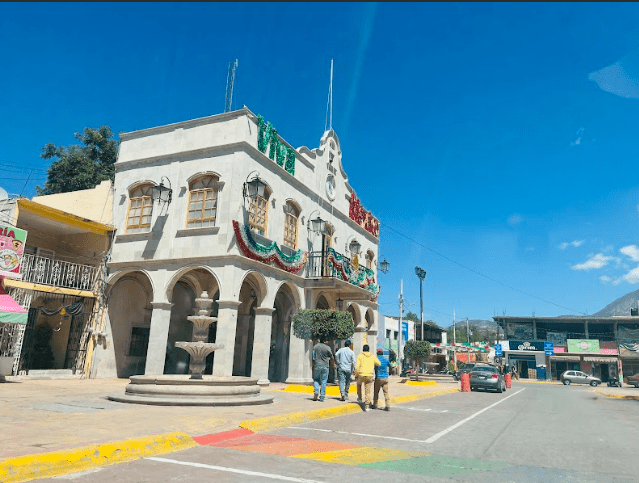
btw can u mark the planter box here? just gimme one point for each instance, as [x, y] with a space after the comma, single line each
[6, 365]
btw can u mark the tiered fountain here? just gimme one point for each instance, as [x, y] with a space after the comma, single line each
[197, 390]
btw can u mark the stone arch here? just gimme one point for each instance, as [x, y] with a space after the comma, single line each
[129, 296]
[322, 302]
[287, 300]
[196, 276]
[114, 277]
[356, 312]
[369, 319]
[257, 282]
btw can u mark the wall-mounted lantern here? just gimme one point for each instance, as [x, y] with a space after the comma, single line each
[162, 194]
[340, 303]
[384, 266]
[255, 187]
[354, 247]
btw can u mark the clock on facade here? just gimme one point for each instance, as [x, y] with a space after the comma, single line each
[330, 187]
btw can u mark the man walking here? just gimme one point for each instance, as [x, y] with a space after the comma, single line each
[381, 380]
[345, 367]
[322, 357]
[365, 373]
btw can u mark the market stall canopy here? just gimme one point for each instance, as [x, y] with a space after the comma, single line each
[11, 311]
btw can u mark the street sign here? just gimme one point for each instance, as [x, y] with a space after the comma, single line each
[498, 352]
[405, 330]
[549, 348]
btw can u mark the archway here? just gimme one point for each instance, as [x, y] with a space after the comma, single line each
[251, 296]
[129, 308]
[285, 306]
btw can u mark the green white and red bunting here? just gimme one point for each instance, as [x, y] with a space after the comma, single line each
[466, 347]
[268, 254]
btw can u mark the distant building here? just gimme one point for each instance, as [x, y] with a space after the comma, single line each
[602, 346]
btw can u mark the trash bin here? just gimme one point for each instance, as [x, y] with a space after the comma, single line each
[541, 373]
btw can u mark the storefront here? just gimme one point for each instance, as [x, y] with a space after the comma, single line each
[524, 356]
[599, 358]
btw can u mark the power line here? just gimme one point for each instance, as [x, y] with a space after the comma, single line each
[478, 273]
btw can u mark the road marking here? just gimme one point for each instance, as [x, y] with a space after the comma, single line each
[233, 470]
[434, 438]
[356, 434]
[424, 410]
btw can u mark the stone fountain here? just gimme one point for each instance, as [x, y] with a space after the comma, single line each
[198, 389]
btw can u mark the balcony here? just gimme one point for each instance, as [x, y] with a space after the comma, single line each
[337, 266]
[57, 273]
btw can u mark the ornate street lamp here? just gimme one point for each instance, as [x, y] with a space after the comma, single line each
[162, 194]
[340, 303]
[384, 266]
[421, 274]
[318, 225]
[255, 187]
[354, 247]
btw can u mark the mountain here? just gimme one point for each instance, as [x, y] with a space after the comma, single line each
[475, 323]
[621, 306]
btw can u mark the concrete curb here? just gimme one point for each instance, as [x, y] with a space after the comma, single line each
[46, 465]
[275, 422]
[616, 396]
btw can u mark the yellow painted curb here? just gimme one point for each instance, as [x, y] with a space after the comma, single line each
[421, 383]
[45, 465]
[330, 390]
[274, 422]
[617, 396]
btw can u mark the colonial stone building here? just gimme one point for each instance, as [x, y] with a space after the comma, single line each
[225, 205]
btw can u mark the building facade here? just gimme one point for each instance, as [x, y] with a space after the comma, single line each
[263, 228]
[60, 279]
[603, 346]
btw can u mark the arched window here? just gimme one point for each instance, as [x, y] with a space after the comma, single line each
[291, 214]
[369, 259]
[202, 202]
[258, 213]
[140, 209]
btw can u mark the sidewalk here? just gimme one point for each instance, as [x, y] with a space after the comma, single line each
[625, 392]
[40, 416]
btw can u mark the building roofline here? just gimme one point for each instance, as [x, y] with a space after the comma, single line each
[576, 319]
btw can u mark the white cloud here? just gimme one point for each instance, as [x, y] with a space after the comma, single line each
[605, 278]
[514, 219]
[620, 78]
[631, 251]
[574, 243]
[597, 261]
[632, 276]
[580, 135]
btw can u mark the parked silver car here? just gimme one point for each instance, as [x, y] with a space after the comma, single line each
[578, 377]
[485, 376]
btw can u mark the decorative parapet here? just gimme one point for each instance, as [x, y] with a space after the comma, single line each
[268, 253]
[364, 218]
[340, 267]
[267, 137]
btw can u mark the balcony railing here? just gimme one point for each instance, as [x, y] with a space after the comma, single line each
[58, 273]
[335, 265]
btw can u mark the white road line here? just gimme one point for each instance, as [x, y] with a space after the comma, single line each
[427, 410]
[233, 470]
[356, 434]
[434, 438]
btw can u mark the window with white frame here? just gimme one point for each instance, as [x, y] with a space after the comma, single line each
[202, 202]
[140, 209]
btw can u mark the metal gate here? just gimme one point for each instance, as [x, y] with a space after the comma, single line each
[78, 338]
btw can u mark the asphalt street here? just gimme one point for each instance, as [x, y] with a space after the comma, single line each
[530, 433]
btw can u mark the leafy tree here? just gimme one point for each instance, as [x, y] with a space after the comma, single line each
[79, 167]
[417, 351]
[411, 316]
[323, 324]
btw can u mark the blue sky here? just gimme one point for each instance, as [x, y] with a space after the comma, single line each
[500, 136]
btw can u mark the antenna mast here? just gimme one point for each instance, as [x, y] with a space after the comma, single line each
[230, 81]
[329, 103]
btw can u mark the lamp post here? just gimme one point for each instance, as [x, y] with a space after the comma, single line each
[421, 274]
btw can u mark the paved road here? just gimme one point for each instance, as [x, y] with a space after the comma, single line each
[531, 433]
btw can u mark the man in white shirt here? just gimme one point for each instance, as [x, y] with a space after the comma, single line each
[345, 366]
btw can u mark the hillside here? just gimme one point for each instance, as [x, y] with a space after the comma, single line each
[621, 306]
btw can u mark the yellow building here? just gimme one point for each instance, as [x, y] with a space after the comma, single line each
[62, 273]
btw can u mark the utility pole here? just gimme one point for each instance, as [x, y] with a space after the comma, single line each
[467, 332]
[454, 340]
[399, 333]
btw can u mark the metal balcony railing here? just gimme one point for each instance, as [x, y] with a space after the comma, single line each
[317, 266]
[58, 273]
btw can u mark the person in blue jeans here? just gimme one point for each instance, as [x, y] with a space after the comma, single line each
[322, 359]
[345, 367]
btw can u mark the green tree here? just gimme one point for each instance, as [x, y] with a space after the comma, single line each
[323, 324]
[411, 316]
[78, 167]
[417, 351]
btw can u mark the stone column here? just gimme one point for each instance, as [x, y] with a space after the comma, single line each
[262, 344]
[372, 340]
[299, 361]
[226, 327]
[358, 340]
[158, 336]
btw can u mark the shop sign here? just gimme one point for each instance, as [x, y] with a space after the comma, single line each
[583, 345]
[520, 345]
[498, 352]
[12, 241]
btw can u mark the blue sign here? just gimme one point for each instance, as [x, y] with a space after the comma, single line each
[405, 330]
[549, 348]
[498, 352]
